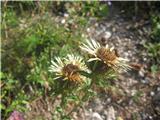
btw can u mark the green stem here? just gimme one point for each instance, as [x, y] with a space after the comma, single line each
[83, 99]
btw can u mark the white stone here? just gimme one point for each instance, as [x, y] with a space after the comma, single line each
[152, 93]
[107, 35]
[63, 21]
[66, 15]
[111, 114]
[96, 116]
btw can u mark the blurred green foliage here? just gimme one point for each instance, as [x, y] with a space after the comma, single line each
[31, 37]
[91, 9]
[153, 46]
[155, 27]
[154, 51]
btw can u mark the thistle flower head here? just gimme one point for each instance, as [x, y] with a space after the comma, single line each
[105, 54]
[69, 69]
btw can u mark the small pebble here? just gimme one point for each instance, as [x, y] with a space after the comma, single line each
[141, 73]
[113, 29]
[66, 15]
[107, 34]
[145, 59]
[111, 113]
[158, 88]
[90, 110]
[63, 21]
[152, 93]
[145, 81]
[131, 102]
[96, 116]
[109, 100]
[150, 117]
[133, 92]
[88, 29]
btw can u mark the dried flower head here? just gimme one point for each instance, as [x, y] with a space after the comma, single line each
[69, 69]
[105, 54]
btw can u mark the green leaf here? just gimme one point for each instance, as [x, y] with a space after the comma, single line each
[2, 75]
[2, 107]
[154, 68]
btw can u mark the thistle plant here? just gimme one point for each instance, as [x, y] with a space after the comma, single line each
[77, 75]
[106, 55]
[69, 69]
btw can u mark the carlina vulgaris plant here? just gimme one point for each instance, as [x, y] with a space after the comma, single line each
[107, 56]
[68, 73]
[69, 68]
[72, 68]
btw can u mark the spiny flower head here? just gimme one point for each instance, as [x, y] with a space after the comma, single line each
[105, 54]
[69, 69]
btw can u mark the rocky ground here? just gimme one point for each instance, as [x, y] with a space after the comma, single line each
[137, 92]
